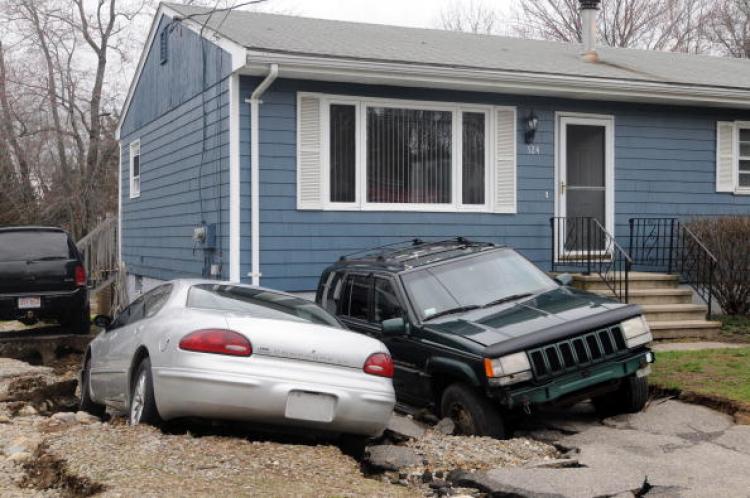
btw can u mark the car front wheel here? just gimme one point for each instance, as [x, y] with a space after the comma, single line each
[630, 397]
[473, 414]
[142, 403]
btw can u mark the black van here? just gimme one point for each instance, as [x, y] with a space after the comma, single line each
[42, 276]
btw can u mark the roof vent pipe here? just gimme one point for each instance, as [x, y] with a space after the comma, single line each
[589, 30]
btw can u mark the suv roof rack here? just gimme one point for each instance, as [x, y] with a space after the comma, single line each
[415, 252]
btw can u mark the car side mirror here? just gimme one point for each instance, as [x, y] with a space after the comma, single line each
[564, 279]
[102, 321]
[394, 327]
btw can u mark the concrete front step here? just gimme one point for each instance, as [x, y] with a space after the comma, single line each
[638, 281]
[683, 329]
[674, 312]
[655, 296]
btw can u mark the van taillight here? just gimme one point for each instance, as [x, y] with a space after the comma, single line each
[217, 341]
[379, 364]
[80, 276]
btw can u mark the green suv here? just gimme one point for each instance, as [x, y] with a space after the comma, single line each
[476, 331]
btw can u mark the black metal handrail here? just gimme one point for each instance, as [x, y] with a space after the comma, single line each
[668, 245]
[583, 244]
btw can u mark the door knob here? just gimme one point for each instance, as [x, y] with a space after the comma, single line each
[562, 187]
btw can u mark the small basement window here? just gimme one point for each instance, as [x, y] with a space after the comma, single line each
[135, 169]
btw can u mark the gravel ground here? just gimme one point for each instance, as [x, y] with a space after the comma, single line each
[45, 452]
[447, 453]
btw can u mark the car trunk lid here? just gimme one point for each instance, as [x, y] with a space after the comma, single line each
[305, 341]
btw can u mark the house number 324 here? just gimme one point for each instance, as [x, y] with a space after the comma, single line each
[534, 150]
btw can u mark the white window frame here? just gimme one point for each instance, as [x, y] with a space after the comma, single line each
[361, 105]
[135, 191]
[738, 127]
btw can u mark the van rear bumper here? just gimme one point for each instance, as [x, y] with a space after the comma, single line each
[54, 304]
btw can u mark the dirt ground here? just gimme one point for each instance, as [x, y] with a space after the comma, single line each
[46, 449]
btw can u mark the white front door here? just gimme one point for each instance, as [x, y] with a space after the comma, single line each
[585, 178]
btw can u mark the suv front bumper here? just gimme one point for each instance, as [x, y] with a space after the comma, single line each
[578, 382]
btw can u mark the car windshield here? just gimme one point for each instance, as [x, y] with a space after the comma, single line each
[33, 245]
[473, 282]
[259, 303]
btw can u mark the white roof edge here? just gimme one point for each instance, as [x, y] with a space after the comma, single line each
[498, 81]
[237, 52]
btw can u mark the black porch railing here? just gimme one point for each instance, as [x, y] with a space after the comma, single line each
[665, 244]
[583, 244]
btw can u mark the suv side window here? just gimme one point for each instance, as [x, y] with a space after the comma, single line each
[386, 303]
[332, 292]
[156, 299]
[356, 298]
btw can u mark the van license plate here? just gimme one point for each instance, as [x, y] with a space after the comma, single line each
[313, 407]
[27, 303]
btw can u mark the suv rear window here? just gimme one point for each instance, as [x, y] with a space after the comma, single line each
[34, 245]
[258, 303]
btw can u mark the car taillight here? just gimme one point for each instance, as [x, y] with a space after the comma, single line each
[379, 364]
[217, 341]
[80, 276]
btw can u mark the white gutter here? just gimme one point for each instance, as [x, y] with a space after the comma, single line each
[496, 81]
[255, 102]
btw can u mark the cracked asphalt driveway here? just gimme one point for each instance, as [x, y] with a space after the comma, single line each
[683, 450]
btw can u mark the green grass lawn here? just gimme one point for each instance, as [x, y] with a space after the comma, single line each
[734, 328]
[723, 373]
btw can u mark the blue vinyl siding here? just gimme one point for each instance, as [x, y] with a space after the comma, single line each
[178, 168]
[664, 166]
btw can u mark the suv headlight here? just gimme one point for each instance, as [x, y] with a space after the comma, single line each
[636, 332]
[507, 370]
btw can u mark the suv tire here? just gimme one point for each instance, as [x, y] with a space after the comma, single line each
[472, 413]
[630, 397]
[142, 408]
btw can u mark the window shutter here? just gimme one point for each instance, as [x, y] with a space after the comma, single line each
[725, 157]
[505, 161]
[309, 164]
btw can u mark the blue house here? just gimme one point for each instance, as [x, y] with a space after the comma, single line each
[260, 148]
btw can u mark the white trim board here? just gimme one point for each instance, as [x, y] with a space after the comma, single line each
[235, 213]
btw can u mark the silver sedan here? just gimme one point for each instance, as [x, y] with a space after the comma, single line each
[224, 351]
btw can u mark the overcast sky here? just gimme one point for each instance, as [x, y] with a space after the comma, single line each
[419, 13]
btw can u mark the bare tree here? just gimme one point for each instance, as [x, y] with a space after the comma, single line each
[729, 27]
[475, 17]
[69, 124]
[650, 24]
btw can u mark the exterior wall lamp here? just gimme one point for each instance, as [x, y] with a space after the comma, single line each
[532, 123]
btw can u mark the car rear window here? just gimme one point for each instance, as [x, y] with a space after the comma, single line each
[33, 245]
[258, 303]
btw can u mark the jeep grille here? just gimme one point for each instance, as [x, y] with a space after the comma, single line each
[577, 352]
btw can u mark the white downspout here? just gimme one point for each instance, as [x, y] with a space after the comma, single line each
[255, 102]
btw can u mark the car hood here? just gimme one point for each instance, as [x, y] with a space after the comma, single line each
[554, 314]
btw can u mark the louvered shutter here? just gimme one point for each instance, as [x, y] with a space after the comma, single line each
[309, 164]
[505, 161]
[725, 157]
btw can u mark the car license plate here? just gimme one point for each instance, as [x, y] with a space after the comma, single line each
[313, 407]
[26, 303]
